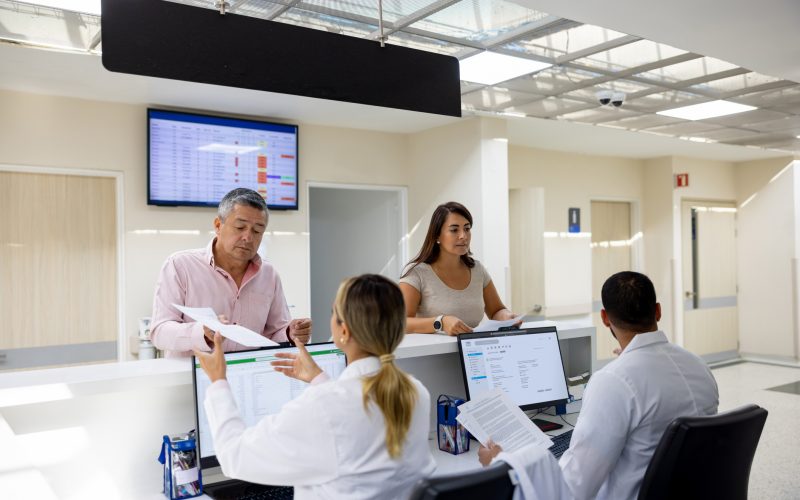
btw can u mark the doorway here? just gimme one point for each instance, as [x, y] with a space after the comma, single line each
[353, 229]
[708, 247]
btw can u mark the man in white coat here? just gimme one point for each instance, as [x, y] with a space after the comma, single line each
[629, 403]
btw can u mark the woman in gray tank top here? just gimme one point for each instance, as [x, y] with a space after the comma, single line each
[445, 289]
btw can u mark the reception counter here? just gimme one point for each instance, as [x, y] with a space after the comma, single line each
[95, 431]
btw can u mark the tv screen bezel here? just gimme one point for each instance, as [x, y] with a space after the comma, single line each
[178, 203]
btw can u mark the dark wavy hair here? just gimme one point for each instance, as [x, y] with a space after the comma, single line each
[430, 250]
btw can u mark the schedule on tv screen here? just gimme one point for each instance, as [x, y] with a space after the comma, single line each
[196, 159]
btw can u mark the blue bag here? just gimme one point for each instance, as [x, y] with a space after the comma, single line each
[182, 477]
[452, 436]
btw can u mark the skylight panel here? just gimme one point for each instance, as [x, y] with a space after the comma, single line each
[706, 110]
[490, 68]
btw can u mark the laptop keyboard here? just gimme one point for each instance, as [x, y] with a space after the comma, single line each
[241, 490]
[560, 443]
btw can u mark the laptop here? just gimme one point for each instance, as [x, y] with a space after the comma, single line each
[525, 363]
[259, 390]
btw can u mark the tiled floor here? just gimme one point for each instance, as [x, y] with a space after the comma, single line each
[776, 467]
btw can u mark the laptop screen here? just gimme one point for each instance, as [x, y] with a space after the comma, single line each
[526, 364]
[257, 388]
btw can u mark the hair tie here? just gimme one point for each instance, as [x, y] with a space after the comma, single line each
[386, 358]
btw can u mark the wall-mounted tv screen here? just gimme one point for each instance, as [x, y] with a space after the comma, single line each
[193, 160]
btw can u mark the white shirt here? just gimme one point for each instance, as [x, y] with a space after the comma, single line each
[626, 409]
[324, 442]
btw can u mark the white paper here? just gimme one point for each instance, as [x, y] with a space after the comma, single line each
[490, 325]
[239, 334]
[493, 415]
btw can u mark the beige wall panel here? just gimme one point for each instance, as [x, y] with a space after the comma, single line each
[611, 221]
[606, 343]
[713, 330]
[57, 260]
[717, 254]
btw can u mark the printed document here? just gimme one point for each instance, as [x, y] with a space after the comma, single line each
[239, 334]
[491, 325]
[492, 415]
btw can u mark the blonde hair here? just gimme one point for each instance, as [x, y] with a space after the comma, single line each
[373, 309]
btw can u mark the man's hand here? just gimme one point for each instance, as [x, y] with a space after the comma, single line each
[453, 326]
[213, 363]
[300, 366]
[487, 454]
[300, 330]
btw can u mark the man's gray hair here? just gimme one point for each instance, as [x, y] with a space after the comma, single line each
[241, 196]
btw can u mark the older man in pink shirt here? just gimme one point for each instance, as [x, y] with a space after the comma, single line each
[228, 276]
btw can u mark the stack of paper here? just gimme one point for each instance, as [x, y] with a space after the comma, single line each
[493, 416]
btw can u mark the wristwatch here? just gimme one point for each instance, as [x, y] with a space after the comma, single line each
[438, 325]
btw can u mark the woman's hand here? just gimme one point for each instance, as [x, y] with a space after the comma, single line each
[487, 453]
[213, 363]
[454, 326]
[300, 365]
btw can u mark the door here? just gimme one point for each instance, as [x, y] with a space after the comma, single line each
[708, 240]
[611, 253]
[352, 230]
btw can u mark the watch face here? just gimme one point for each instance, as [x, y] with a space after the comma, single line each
[437, 325]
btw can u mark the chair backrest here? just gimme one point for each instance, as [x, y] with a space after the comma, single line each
[491, 482]
[705, 457]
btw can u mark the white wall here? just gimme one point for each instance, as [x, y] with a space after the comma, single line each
[573, 180]
[52, 131]
[768, 251]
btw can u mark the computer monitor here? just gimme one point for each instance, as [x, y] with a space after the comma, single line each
[257, 387]
[525, 363]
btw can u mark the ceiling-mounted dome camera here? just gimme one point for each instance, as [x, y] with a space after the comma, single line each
[617, 99]
[604, 96]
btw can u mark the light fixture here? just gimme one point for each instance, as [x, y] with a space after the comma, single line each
[85, 6]
[710, 109]
[490, 68]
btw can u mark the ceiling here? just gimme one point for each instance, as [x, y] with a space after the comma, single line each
[550, 108]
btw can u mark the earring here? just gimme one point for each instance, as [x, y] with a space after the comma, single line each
[341, 340]
[437, 242]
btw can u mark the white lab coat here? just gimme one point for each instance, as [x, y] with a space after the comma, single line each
[324, 442]
[626, 408]
[537, 473]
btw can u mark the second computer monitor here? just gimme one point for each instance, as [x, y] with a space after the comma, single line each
[526, 364]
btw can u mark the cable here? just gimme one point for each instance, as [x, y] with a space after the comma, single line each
[566, 421]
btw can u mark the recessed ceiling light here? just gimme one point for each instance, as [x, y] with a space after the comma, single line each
[705, 110]
[490, 68]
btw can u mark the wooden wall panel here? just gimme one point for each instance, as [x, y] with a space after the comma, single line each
[58, 253]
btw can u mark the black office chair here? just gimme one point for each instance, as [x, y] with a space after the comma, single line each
[705, 457]
[491, 482]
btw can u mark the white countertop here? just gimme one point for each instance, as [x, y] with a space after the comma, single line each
[128, 375]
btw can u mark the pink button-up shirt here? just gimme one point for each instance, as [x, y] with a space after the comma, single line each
[191, 278]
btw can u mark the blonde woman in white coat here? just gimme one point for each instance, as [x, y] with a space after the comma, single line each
[363, 435]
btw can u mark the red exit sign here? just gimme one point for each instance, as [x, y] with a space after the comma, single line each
[681, 180]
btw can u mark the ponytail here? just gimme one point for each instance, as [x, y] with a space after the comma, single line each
[373, 308]
[395, 395]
